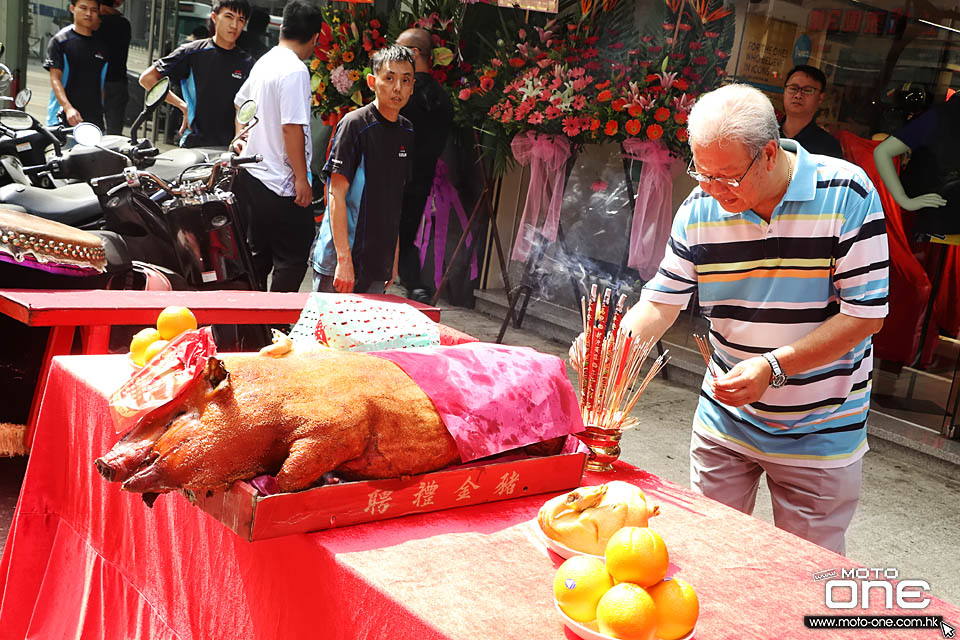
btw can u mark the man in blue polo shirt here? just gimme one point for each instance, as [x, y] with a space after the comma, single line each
[788, 254]
[77, 62]
[210, 71]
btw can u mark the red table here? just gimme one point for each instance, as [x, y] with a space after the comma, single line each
[85, 560]
[94, 312]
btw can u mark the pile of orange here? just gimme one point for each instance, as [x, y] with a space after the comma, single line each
[627, 598]
[171, 322]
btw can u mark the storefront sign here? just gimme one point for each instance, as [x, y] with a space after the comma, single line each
[767, 53]
[547, 6]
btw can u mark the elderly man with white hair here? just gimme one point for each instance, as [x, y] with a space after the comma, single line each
[787, 252]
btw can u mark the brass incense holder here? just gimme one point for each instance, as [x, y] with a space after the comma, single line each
[604, 446]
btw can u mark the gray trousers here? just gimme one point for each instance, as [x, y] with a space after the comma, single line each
[815, 504]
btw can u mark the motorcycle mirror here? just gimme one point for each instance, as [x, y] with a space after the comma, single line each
[16, 120]
[87, 134]
[247, 112]
[157, 92]
[23, 98]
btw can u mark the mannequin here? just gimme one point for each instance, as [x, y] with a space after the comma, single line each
[931, 184]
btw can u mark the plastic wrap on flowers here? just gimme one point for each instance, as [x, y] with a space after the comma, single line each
[547, 155]
[653, 207]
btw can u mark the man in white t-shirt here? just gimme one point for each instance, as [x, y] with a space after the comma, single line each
[277, 191]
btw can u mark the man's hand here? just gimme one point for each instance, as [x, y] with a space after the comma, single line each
[305, 196]
[73, 116]
[239, 145]
[932, 200]
[744, 383]
[343, 277]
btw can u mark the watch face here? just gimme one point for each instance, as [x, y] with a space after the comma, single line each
[778, 381]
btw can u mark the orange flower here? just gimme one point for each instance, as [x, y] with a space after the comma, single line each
[348, 56]
[594, 124]
[633, 127]
[654, 131]
[603, 85]
[619, 104]
[604, 96]
[635, 110]
[331, 66]
[680, 118]
[682, 134]
[354, 75]
[611, 128]
[662, 114]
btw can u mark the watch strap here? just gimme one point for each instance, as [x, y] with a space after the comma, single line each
[776, 373]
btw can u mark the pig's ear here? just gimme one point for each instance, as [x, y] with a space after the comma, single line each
[216, 372]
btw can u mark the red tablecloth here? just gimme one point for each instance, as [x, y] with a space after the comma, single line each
[87, 561]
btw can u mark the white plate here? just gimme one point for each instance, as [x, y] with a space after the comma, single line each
[558, 548]
[587, 632]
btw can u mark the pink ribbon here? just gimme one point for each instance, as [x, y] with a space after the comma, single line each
[436, 215]
[546, 155]
[652, 212]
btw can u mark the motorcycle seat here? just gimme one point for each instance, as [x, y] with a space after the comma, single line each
[170, 164]
[72, 204]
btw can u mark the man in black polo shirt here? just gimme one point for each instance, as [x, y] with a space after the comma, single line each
[115, 32]
[77, 62]
[356, 248]
[802, 97]
[210, 72]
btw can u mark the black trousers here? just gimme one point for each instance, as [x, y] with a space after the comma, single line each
[408, 264]
[280, 234]
[115, 98]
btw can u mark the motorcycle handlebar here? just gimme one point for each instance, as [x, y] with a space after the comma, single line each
[237, 161]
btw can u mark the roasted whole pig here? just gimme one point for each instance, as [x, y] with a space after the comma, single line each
[298, 417]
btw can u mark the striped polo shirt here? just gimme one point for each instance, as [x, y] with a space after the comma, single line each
[765, 285]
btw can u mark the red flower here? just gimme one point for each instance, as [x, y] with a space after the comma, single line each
[681, 84]
[656, 49]
[700, 60]
[652, 77]
[633, 127]
[439, 75]
[684, 26]
[662, 114]
[535, 118]
[516, 63]
[654, 131]
[375, 24]
[464, 94]
[491, 73]
[682, 134]
[680, 118]
[603, 85]
[466, 67]
[594, 124]
[604, 96]
[635, 110]
[552, 112]
[611, 128]
[486, 83]
[571, 126]
[694, 46]
[619, 104]
[496, 62]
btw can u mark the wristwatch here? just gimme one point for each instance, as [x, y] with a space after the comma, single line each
[777, 377]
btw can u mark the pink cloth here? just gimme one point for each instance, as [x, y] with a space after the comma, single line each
[652, 211]
[493, 397]
[436, 214]
[546, 155]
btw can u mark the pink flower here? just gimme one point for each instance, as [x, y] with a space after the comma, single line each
[535, 118]
[464, 94]
[579, 84]
[496, 62]
[598, 185]
[579, 102]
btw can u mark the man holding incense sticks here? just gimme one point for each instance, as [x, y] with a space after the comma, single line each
[787, 252]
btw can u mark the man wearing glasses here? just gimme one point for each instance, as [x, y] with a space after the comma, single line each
[787, 252]
[802, 97]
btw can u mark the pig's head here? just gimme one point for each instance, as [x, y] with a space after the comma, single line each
[134, 449]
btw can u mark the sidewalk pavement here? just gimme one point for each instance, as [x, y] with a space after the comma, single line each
[907, 518]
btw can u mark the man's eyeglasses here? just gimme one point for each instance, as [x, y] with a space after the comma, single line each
[733, 183]
[794, 89]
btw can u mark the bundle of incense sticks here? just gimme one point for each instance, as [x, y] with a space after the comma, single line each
[610, 362]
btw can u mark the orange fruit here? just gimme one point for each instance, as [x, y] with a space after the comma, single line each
[143, 339]
[153, 349]
[173, 321]
[637, 555]
[579, 584]
[677, 608]
[627, 612]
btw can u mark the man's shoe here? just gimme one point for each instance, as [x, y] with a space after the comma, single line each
[419, 295]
